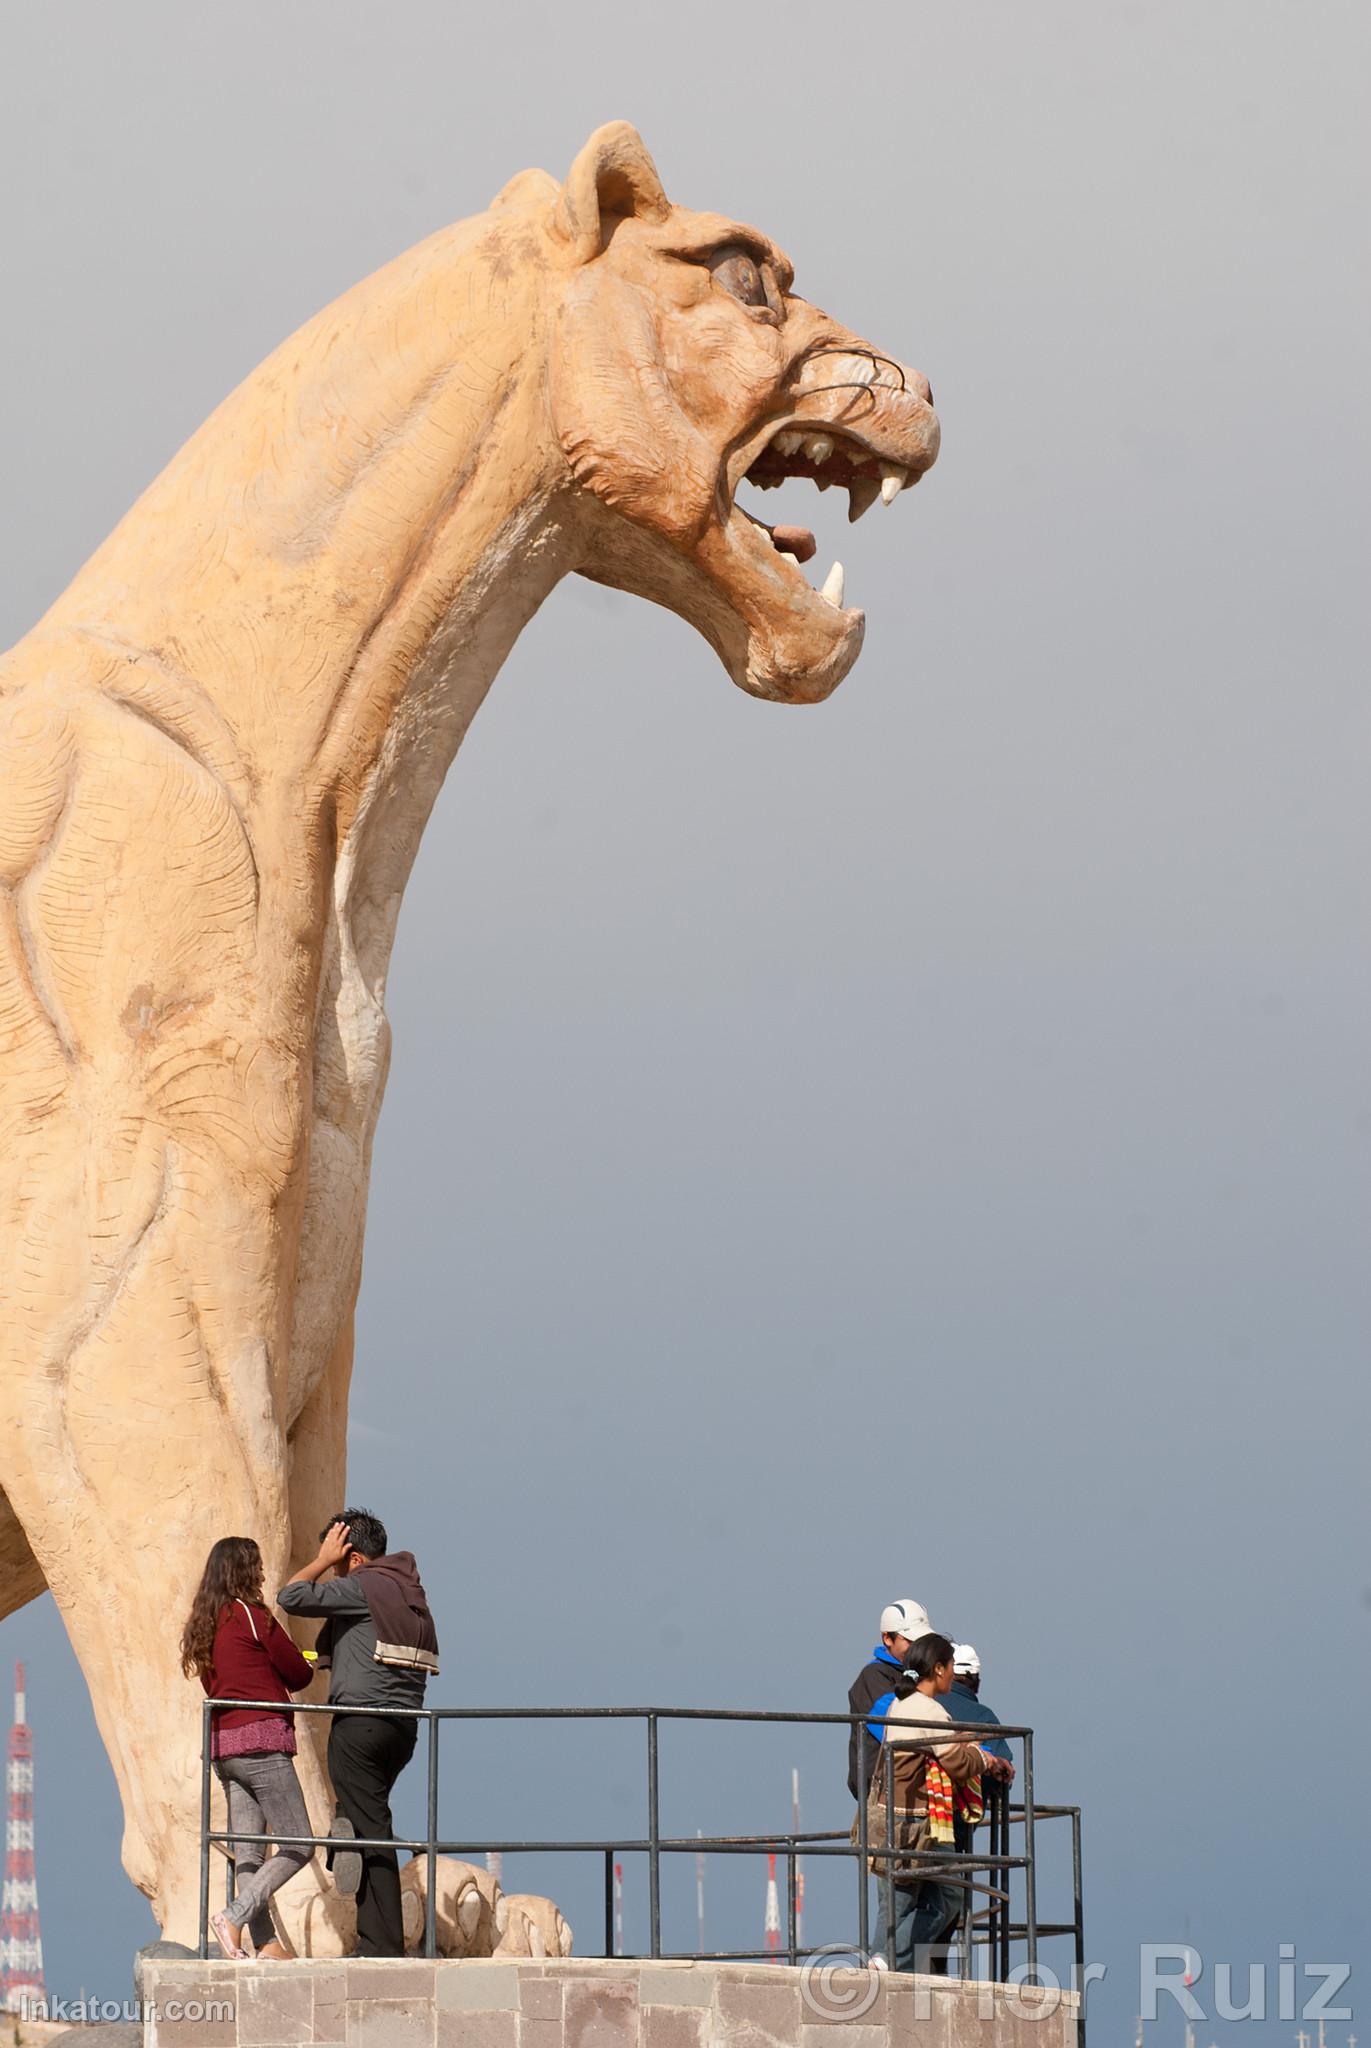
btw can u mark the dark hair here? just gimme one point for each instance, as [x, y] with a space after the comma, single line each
[971, 1680]
[924, 1657]
[366, 1532]
[233, 1571]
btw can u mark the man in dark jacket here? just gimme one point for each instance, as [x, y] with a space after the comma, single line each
[964, 1703]
[881, 1682]
[380, 1647]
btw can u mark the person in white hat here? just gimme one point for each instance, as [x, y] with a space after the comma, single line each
[881, 1681]
[964, 1703]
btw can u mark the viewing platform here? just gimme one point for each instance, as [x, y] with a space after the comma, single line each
[788, 1997]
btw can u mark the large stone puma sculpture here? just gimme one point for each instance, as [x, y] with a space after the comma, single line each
[217, 753]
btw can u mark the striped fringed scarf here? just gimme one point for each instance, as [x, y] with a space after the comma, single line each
[946, 1800]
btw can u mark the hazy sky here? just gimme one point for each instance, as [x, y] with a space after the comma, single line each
[912, 1146]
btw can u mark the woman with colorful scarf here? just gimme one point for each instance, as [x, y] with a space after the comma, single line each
[933, 1783]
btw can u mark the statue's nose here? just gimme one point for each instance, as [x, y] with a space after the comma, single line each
[918, 384]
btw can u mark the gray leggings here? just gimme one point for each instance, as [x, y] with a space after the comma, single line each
[264, 1797]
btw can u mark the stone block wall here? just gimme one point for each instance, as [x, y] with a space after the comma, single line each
[585, 2004]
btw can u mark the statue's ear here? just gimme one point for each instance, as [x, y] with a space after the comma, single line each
[612, 175]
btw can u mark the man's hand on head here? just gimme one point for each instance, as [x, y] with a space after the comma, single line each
[334, 1552]
[335, 1548]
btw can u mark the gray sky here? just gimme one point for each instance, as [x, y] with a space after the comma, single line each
[916, 1145]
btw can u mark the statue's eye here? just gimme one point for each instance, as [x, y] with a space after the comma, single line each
[738, 274]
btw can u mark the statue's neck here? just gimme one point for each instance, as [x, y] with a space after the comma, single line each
[373, 513]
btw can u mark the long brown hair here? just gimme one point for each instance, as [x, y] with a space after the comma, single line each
[233, 1571]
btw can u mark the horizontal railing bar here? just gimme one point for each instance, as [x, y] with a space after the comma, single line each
[944, 1728]
[688, 1845]
[717, 1955]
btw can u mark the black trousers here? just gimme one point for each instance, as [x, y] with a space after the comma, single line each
[365, 1757]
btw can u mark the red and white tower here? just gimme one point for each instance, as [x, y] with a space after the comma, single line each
[771, 1937]
[21, 1950]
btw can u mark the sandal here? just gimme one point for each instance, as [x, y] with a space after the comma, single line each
[226, 1934]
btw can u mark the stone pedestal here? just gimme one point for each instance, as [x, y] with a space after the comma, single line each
[591, 2003]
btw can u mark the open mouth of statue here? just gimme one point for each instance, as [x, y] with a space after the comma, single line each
[826, 457]
[847, 421]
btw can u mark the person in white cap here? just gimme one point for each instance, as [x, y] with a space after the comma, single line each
[964, 1703]
[880, 1682]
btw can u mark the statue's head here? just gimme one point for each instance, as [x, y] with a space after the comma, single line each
[680, 361]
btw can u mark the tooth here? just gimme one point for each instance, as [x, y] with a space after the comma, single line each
[824, 482]
[788, 443]
[818, 447]
[833, 587]
[862, 494]
[793, 560]
[892, 482]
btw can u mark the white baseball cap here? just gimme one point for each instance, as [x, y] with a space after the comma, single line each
[965, 1660]
[906, 1618]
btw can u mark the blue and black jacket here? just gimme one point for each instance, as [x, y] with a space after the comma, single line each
[964, 1705]
[874, 1691]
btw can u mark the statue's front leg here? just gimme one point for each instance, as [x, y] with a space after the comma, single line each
[130, 1453]
[153, 1097]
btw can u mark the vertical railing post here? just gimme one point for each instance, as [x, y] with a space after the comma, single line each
[992, 1881]
[1079, 1917]
[791, 1905]
[863, 1849]
[1006, 1910]
[888, 1869]
[654, 1852]
[1030, 1860]
[205, 1725]
[431, 1846]
[999, 1809]
[609, 1902]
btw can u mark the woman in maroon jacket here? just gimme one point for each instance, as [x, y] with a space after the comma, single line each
[232, 1644]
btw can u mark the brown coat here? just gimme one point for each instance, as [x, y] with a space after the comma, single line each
[963, 1761]
[906, 1829]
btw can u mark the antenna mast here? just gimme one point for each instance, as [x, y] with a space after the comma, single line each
[21, 1947]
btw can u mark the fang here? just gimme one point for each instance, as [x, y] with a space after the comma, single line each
[862, 494]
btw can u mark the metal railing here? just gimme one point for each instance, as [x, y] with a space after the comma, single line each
[987, 1923]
